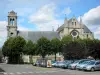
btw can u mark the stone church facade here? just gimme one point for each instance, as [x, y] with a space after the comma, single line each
[75, 29]
[70, 27]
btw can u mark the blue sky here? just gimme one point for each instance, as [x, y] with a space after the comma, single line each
[43, 15]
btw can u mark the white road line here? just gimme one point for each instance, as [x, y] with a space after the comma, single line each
[11, 73]
[37, 72]
[30, 72]
[23, 72]
[4, 73]
[18, 73]
[44, 72]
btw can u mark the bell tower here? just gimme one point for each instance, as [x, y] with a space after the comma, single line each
[12, 24]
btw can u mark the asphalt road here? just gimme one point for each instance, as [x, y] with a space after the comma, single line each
[32, 70]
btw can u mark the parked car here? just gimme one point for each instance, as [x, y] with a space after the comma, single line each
[54, 64]
[81, 65]
[65, 65]
[92, 66]
[73, 65]
[60, 64]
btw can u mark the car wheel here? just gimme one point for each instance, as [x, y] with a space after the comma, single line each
[92, 69]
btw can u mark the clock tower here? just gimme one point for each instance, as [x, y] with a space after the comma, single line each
[12, 24]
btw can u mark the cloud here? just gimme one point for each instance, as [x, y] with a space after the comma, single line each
[92, 17]
[92, 20]
[21, 28]
[67, 11]
[3, 32]
[45, 18]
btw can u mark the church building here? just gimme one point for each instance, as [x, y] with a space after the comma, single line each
[70, 27]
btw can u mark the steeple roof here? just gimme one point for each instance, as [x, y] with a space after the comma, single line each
[12, 13]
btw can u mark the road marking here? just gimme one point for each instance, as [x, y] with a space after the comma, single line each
[30, 72]
[11, 73]
[37, 72]
[5, 73]
[18, 73]
[23, 72]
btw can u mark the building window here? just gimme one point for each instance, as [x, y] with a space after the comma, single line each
[75, 23]
[11, 33]
[12, 21]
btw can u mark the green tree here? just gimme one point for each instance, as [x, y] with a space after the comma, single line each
[13, 48]
[66, 39]
[1, 55]
[55, 46]
[6, 48]
[43, 47]
[93, 47]
[30, 49]
[74, 50]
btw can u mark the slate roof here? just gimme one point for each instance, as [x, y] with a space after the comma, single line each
[61, 27]
[35, 35]
[86, 30]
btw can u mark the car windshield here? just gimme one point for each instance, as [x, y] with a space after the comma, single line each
[85, 62]
[91, 63]
[76, 61]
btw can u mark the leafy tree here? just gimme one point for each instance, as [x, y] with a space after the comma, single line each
[93, 47]
[1, 55]
[74, 50]
[13, 48]
[30, 49]
[6, 49]
[55, 46]
[66, 39]
[43, 47]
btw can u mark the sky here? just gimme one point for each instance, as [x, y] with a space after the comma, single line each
[45, 15]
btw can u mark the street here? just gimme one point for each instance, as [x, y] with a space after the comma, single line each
[9, 69]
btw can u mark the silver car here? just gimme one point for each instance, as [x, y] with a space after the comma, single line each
[73, 65]
[80, 66]
[92, 66]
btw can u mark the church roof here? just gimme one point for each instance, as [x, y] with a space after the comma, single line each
[12, 13]
[86, 30]
[35, 35]
[61, 27]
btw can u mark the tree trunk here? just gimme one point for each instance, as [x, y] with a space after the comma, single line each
[55, 56]
[43, 56]
[30, 59]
